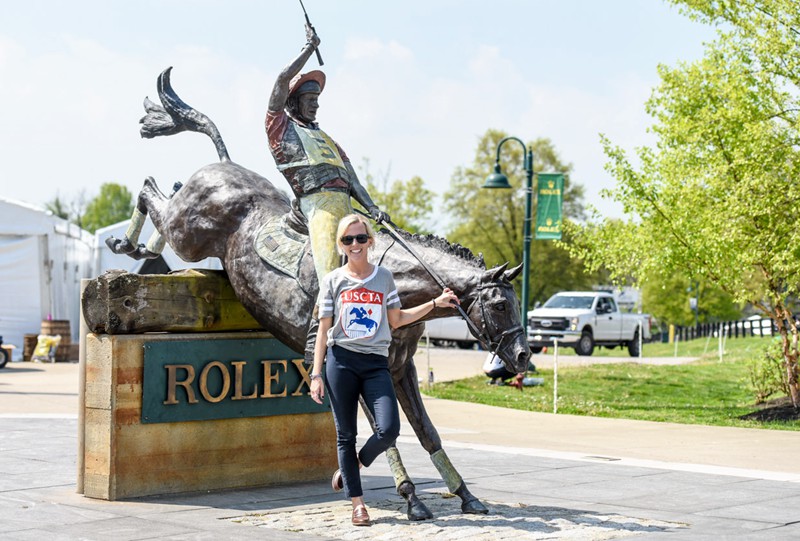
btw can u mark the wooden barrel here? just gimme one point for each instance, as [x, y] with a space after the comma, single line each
[59, 327]
[28, 345]
[53, 327]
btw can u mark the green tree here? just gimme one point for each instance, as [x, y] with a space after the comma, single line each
[72, 210]
[58, 207]
[409, 203]
[490, 221]
[667, 299]
[716, 199]
[113, 204]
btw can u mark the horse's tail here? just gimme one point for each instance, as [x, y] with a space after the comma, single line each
[176, 116]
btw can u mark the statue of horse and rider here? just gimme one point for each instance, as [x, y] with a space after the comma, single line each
[262, 239]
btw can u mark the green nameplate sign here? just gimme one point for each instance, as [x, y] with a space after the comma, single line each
[196, 380]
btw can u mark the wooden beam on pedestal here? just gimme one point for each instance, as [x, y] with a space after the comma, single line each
[194, 300]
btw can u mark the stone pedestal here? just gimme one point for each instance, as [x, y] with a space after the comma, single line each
[125, 456]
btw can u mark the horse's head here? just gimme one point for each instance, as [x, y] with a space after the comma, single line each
[495, 312]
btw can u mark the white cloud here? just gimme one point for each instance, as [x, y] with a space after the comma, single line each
[424, 123]
[414, 100]
[10, 52]
[71, 117]
[358, 49]
[489, 63]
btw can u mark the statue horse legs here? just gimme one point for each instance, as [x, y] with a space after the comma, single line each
[405, 486]
[407, 389]
[153, 202]
[404, 375]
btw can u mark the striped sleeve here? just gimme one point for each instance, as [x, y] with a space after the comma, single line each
[325, 299]
[393, 298]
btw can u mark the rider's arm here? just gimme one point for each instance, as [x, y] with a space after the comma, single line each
[280, 92]
[398, 317]
[359, 193]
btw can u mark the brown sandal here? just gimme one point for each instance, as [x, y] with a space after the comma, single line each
[361, 517]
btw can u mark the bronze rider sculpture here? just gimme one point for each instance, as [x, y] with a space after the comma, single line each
[319, 172]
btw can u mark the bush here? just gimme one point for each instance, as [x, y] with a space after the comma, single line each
[767, 374]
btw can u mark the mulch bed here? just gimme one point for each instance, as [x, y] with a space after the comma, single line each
[779, 409]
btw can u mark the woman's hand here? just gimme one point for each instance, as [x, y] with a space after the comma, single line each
[399, 317]
[447, 299]
[317, 390]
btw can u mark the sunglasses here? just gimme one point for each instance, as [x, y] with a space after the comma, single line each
[347, 240]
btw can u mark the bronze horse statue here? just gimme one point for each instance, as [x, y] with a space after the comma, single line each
[220, 212]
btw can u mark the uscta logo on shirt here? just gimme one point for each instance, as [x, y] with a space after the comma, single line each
[361, 312]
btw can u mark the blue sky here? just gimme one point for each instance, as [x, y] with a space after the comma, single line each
[412, 85]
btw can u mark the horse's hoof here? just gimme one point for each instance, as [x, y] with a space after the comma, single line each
[418, 511]
[473, 507]
[120, 246]
[143, 253]
[147, 254]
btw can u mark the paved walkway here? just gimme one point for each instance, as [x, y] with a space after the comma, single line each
[543, 476]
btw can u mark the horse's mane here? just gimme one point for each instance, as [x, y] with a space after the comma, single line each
[441, 244]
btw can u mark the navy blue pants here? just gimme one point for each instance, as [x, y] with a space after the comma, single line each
[349, 375]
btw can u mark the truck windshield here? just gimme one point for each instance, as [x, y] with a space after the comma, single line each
[565, 301]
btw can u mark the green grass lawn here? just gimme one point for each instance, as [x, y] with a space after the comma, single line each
[693, 348]
[706, 391]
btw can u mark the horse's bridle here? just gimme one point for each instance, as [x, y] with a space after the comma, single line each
[484, 334]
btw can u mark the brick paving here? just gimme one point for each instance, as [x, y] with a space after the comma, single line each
[543, 476]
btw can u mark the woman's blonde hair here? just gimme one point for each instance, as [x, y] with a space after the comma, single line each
[346, 222]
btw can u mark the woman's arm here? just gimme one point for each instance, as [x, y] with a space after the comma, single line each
[399, 317]
[320, 348]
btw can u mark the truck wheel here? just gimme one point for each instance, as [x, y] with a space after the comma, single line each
[585, 345]
[536, 349]
[633, 345]
[3, 357]
[465, 345]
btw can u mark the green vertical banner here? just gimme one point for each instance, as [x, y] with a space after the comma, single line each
[549, 196]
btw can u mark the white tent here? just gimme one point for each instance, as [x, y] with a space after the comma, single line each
[42, 261]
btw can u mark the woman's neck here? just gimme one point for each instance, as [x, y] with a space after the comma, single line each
[359, 270]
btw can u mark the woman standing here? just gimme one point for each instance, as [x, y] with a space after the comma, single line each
[358, 307]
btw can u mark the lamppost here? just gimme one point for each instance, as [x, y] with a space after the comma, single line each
[499, 180]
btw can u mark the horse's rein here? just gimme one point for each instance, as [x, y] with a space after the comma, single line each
[481, 336]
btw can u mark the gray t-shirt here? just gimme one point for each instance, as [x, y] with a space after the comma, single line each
[359, 310]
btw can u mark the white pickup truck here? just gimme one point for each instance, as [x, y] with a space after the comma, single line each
[585, 319]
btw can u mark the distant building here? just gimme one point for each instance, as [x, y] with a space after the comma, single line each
[629, 299]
